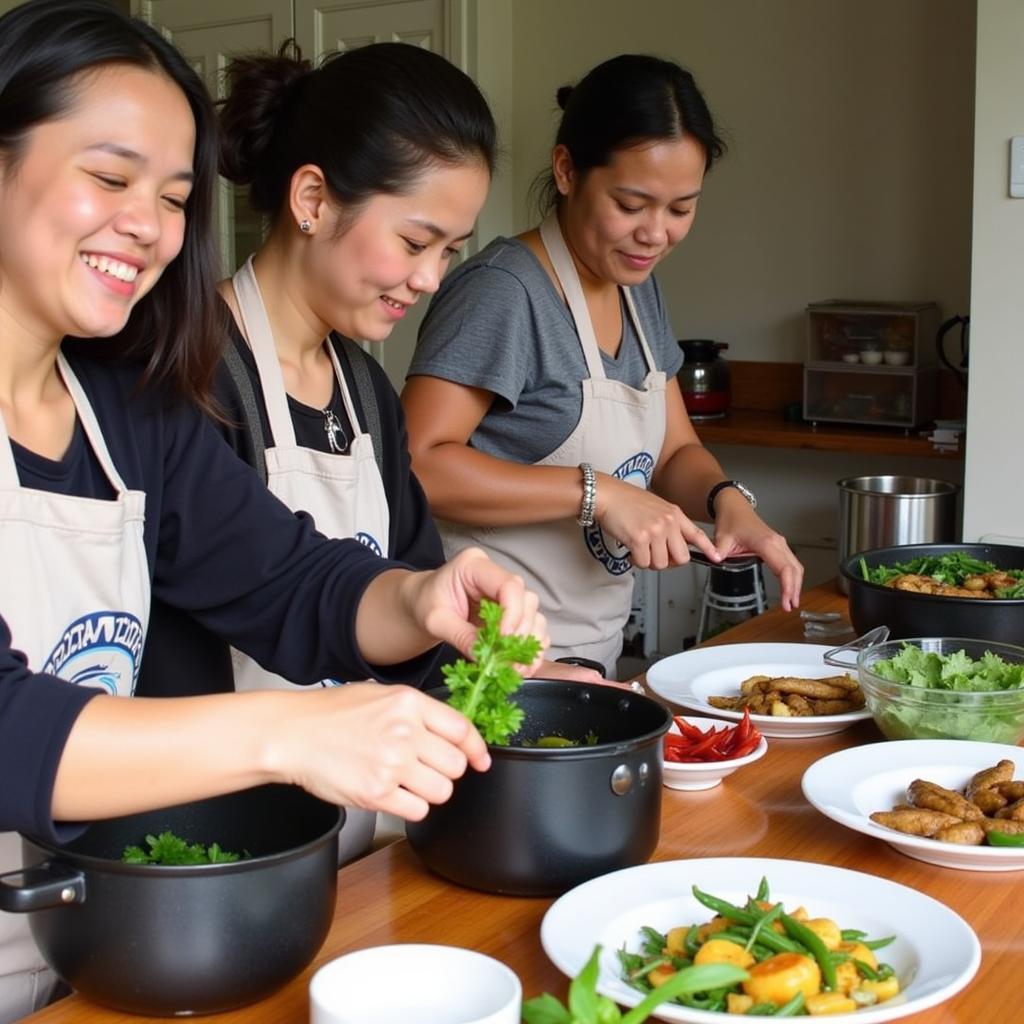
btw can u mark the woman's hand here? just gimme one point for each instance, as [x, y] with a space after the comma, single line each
[383, 748]
[445, 602]
[561, 671]
[655, 531]
[740, 530]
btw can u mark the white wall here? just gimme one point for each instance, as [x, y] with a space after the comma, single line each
[995, 485]
[850, 129]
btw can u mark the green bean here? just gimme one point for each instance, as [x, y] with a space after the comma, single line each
[762, 1010]
[762, 890]
[866, 970]
[770, 938]
[654, 941]
[765, 920]
[852, 935]
[885, 971]
[691, 943]
[817, 948]
[879, 943]
[794, 1008]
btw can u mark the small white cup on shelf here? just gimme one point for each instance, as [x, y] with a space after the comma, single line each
[896, 357]
[407, 982]
[870, 356]
[851, 357]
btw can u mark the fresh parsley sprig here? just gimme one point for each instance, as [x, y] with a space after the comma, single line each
[481, 688]
[169, 849]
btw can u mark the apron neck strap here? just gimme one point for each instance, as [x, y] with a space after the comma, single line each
[8, 468]
[569, 279]
[256, 325]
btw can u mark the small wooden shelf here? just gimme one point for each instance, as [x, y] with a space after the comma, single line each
[770, 430]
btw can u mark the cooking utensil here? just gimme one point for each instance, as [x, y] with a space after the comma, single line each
[175, 941]
[543, 819]
[909, 614]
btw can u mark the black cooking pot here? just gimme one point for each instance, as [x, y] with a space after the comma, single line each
[176, 941]
[913, 615]
[543, 819]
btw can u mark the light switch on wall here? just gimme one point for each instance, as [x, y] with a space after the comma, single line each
[1017, 167]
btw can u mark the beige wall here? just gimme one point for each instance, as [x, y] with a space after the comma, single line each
[850, 125]
[994, 495]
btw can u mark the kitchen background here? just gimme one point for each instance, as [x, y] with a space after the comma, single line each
[868, 159]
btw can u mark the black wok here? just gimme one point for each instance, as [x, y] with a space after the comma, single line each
[178, 941]
[914, 615]
[542, 819]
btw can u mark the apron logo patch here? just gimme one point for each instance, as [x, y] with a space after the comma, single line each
[102, 650]
[370, 542]
[637, 470]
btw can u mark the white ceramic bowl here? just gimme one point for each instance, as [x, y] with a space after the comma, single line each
[705, 774]
[412, 982]
[896, 357]
[851, 357]
[870, 356]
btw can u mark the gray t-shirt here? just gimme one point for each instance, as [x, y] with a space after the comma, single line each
[498, 323]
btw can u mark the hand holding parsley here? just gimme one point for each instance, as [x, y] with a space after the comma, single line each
[482, 689]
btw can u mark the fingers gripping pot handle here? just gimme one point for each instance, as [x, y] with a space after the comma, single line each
[41, 887]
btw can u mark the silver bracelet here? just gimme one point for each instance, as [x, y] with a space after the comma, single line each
[589, 500]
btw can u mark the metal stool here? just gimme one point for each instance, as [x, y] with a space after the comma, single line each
[735, 586]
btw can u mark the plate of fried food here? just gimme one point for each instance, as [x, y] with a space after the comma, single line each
[955, 803]
[788, 689]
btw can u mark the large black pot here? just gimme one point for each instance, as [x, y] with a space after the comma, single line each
[176, 941]
[914, 615]
[542, 819]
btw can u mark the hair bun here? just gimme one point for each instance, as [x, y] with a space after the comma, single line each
[562, 96]
[259, 88]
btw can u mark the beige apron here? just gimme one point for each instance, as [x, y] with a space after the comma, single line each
[343, 493]
[75, 593]
[583, 575]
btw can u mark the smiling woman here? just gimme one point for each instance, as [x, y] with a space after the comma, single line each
[544, 416]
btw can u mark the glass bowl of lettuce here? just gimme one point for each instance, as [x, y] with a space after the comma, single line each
[945, 689]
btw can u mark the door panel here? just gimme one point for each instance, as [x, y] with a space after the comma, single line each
[209, 33]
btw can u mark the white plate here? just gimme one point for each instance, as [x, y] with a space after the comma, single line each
[935, 953]
[849, 785]
[689, 678]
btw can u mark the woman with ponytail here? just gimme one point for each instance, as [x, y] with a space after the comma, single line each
[544, 416]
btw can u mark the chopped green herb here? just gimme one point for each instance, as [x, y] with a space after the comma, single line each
[481, 688]
[169, 849]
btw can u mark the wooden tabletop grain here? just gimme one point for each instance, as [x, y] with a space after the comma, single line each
[389, 897]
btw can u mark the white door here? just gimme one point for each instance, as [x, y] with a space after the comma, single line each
[209, 33]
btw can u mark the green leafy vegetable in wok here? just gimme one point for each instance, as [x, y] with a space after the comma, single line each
[169, 849]
[952, 569]
[481, 689]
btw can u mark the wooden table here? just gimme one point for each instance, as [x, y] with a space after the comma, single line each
[389, 897]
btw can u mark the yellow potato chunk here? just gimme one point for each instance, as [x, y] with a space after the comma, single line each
[883, 989]
[780, 977]
[716, 924]
[660, 975]
[722, 951]
[847, 977]
[823, 1003]
[736, 1003]
[826, 930]
[675, 941]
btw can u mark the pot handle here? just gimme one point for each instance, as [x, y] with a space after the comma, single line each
[878, 635]
[41, 887]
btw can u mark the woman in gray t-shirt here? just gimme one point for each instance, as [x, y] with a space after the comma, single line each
[545, 422]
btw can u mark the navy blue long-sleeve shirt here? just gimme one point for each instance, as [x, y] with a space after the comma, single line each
[218, 545]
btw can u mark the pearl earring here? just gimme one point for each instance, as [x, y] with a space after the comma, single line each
[305, 226]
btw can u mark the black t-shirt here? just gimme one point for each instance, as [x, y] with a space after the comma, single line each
[182, 657]
[218, 545]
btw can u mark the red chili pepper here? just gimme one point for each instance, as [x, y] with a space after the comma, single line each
[694, 745]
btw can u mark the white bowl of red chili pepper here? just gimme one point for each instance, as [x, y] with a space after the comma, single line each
[699, 752]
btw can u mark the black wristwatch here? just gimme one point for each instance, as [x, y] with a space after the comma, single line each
[742, 488]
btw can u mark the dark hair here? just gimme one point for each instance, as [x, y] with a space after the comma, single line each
[627, 101]
[45, 47]
[370, 118]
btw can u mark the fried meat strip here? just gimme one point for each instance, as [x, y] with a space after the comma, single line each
[988, 801]
[926, 585]
[1004, 825]
[916, 822]
[989, 777]
[933, 797]
[728, 703]
[835, 707]
[1011, 790]
[1015, 812]
[964, 833]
